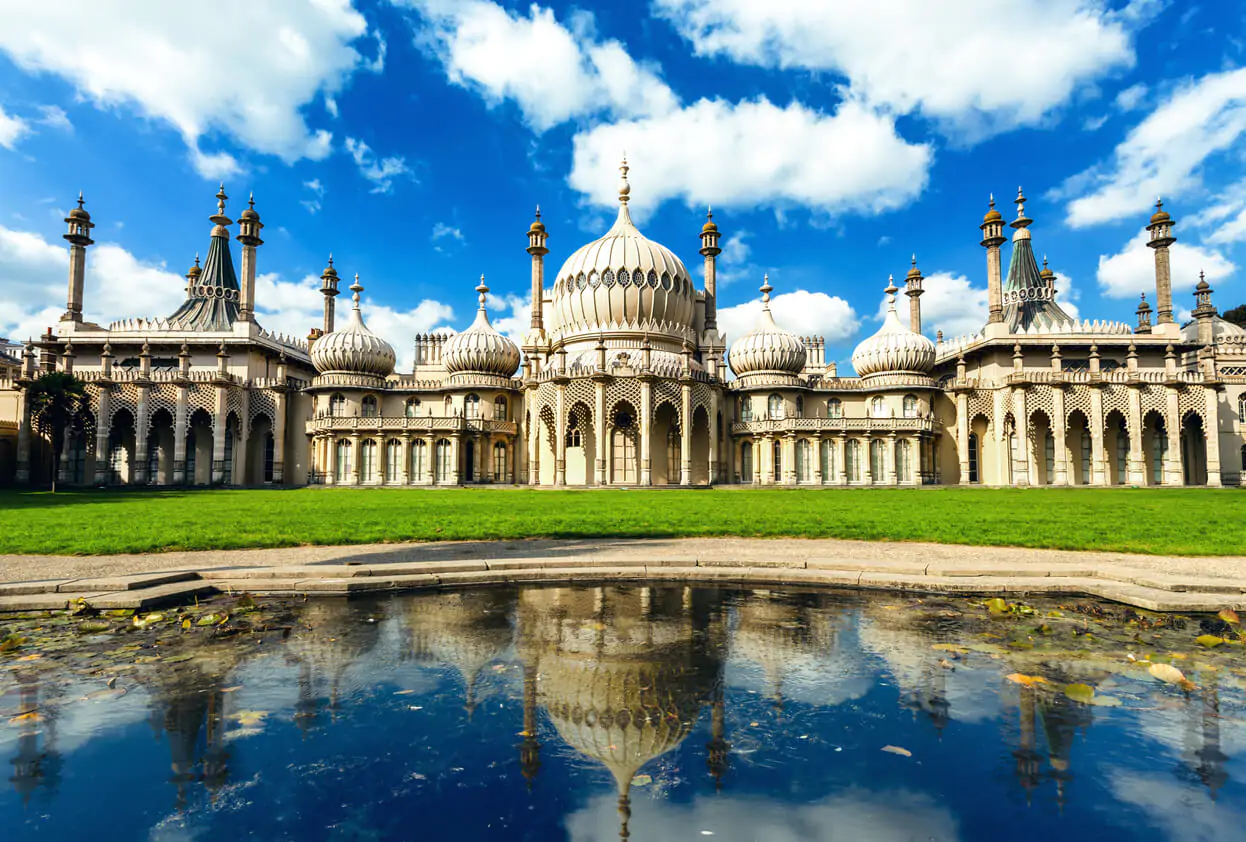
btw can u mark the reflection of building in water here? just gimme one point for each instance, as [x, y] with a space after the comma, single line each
[1056, 718]
[34, 765]
[330, 635]
[623, 673]
[1202, 757]
[783, 633]
[467, 630]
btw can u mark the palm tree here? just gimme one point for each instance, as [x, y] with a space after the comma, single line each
[59, 403]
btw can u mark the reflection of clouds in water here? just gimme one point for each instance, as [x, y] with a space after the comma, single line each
[1185, 813]
[856, 815]
[77, 720]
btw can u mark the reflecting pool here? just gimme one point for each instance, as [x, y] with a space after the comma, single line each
[603, 713]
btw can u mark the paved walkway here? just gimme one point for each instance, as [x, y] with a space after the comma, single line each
[140, 581]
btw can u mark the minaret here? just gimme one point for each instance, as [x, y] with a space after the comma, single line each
[79, 237]
[717, 748]
[536, 248]
[1161, 238]
[1144, 316]
[1204, 311]
[530, 749]
[913, 289]
[192, 275]
[710, 251]
[249, 226]
[328, 288]
[992, 238]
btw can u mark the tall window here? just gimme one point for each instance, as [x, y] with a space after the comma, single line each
[904, 461]
[499, 408]
[153, 461]
[834, 408]
[746, 462]
[342, 457]
[878, 407]
[623, 452]
[499, 462]
[800, 406]
[910, 406]
[1122, 454]
[412, 408]
[973, 458]
[1159, 450]
[804, 461]
[778, 461]
[574, 437]
[367, 461]
[228, 473]
[190, 456]
[269, 456]
[878, 471]
[673, 455]
[369, 407]
[852, 460]
[746, 408]
[827, 456]
[337, 405]
[1241, 408]
[1086, 449]
[393, 460]
[471, 406]
[774, 407]
[1049, 456]
[444, 460]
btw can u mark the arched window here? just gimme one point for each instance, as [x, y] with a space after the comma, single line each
[337, 405]
[1086, 449]
[499, 408]
[413, 407]
[878, 468]
[827, 457]
[574, 437]
[878, 407]
[800, 406]
[1160, 450]
[674, 455]
[367, 461]
[419, 459]
[852, 460]
[471, 406]
[774, 407]
[804, 461]
[393, 460]
[746, 462]
[973, 457]
[746, 408]
[1049, 457]
[369, 407]
[444, 460]
[904, 460]
[1122, 453]
[499, 462]
[1244, 458]
[834, 408]
[1241, 408]
[343, 460]
[910, 406]
[449, 406]
[269, 455]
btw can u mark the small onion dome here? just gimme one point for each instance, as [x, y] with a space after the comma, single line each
[914, 272]
[329, 271]
[250, 212]
[480, 348]
[79, 212]
[353, 349]
[992, 215]
[894, 348]
[1046, 274]
[1160, 214]
[195, 271]
[767, 348]
[709, 225]
[537, 224]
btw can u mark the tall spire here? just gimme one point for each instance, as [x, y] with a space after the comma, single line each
[1022, 222]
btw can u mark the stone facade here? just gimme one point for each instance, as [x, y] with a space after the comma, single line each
[624, 382]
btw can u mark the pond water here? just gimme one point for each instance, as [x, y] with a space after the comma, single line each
[650, 713]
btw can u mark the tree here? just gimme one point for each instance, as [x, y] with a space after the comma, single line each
[59, 404]
[1237, 315]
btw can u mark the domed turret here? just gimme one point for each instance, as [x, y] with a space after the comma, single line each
[767, 348]
[894, 349]
[481, 349]
[353, 349]
[624, 280]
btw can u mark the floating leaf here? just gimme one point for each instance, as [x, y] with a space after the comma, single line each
[186, 624]
[29, 716]
[147, 620]
[1105, 701]
[1230, 617]
[250, 718]
[903, 752]
[93, 626]
[642, 780]
[996, 605]
[1083, 693]
[210, 619]
[950, 647]
[1168, 674]
[1026, 680]
[1211, 641]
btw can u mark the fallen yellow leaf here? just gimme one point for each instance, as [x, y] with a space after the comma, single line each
[1026, 680]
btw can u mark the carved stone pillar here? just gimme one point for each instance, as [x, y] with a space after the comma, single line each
[713, 431]
[867, 460]
[789, 459]
[429, 474]
[534, 451]
[103, 430]
[560, 443]
[646, 430]
[1212, 429]
[841, 448]
[962, 437]
[404, 470]
[599, 432]
[1098, 470]
[1022, 469]
[767, 459]
[889, 459]
[179, 436]
[1136, 474]
[1174, 470]
[141, 427]
[279, 438]
[218, 437]
[1003, 452]
[1059, 430]
[356, 459]
[685, 436]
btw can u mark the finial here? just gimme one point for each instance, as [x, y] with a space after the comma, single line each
[356, 288]
[1144, 296]
[765, 291]
[1159, 203]
[625, 189]
[992, 200]
[538, 213]
[80, 201]
[220, 199]
[481, 290]
[1020, 203]
[709, 213]
[330, 260]
[891, 288]
[914, 261]
[196, 260]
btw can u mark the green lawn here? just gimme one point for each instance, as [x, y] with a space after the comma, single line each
[1163, 521]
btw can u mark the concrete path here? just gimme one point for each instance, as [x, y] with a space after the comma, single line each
[139, 581]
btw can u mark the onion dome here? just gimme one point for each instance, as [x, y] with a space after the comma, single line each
[709, 225]
[352, 348]
[623, 279]
[537, 224]
[767, 348]
[992, 215]
[80, 212]
[481, 349]
[1160, 214]
[193, 273]
[894, 349]
[250, 212]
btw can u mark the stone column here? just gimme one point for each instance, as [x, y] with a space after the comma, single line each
[179, 435]
[456, 442]
[478, 470]
[1003, 453]
[142, 425]
[599, 433]
[560, 441]
[685, 435]
[1136, 474]
[867, 460]
[356, 459]
[23, 440]
[962, 438]
[429, 474]
[767, 459]
[646, 424]
[534, 451]
[841, 449]
[404, 471]
[713, 431]
[1212, 429]
[331, 462]
[816, 443]
[1059, 430]
[279, 438]
[218, 437]
[1174, 471]
[789, 459]
[1098, 474]
[103, 429]
[889, 459]
[1023, 469]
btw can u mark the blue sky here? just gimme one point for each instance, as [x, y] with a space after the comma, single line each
[413, 138]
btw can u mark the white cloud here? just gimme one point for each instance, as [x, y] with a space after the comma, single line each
[1132, 270]
[950, 303]
[551, 72]
[1224, 220]
[11, 129]
[246, 70]
[754, 153]
[735, 263]
[317, 189]
[1131, 97]
[1164, 154]
[802, 312]
[380, 171]
[54, 117]
[442, 231]
[914, 55]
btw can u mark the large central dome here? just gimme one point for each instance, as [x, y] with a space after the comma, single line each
[624, 281]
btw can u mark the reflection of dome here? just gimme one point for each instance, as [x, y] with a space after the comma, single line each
[767, 348]
[623, 280]
[481, 349]
[353, 349]
[466, 630]
[895, 348]
[782, 635]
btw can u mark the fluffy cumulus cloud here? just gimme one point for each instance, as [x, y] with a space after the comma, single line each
[802, 312]
[247, 70]
[952, 304]
[1165, 154]
[1131, 271]
[552, 72]
[943, 60]
[11, 129]
[755, 153]
[1223, 221]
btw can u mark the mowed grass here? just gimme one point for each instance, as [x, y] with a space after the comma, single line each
[1180, 521]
